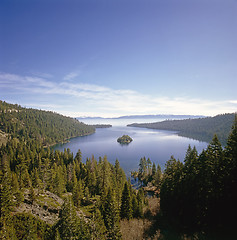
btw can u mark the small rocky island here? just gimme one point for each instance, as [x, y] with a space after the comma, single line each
[125, 139]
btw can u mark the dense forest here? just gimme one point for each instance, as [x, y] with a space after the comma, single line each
[46, 194]
[43, 126]
[198, 195]
[202, 129]
[101, 189]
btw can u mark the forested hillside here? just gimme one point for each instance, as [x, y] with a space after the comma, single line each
[97, 189]
[202, 129]
[46, 127]
[200, 194]
[46, 194]
[197, 195]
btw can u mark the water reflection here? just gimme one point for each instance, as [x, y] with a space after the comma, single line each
[154, 144]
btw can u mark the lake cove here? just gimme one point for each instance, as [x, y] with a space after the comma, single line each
[158, 145]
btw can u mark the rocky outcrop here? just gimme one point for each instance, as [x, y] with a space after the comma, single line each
[46, 206]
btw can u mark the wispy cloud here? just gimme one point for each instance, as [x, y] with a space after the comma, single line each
[87, 99]
[71, 76]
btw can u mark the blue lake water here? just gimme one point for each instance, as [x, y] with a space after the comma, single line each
[158, 145]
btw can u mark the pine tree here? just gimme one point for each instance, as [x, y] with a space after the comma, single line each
[111, 217]
[157, 176]
[153, 171]
[59, 181]
[31, 230]
[6, 198]
[140, 203]
[98, 229]
[149, 163]
[135, 206]
[32, 195]
[77, 193]
[70, 226]
[19, 197]
[228, 204]
[126, 203]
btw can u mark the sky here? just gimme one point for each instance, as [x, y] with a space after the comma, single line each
[111, 58]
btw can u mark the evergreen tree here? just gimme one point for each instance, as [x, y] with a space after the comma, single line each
[98, 229]
[31, 231]
[19, 197]
[126, 203]
[70, 226]
[228, 211]
[59, 181]
[149, 163]
[77, 193]
[78, 157]
[140, 203]
[157, 177]
[6, 199]
[153, 171]
[111, 217]
[171, 191]
[32, 195]
[135, 209]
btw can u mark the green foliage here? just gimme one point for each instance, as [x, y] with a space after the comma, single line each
[148, 172]
[111, 216]
[98, 229]
[30, 167]
[27, 226]
[77, 193]
[45, 127]
[70, 226]
[32, 195]
[19, 198]
[6, 198]
[200, 195]
[126, 203]
[125, 139]
[138, 203]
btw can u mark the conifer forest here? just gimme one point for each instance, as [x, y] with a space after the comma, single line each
[48, 194]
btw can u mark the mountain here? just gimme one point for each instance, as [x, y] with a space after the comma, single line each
[173, 116]
[159, 116]
[46, 127]
[202, 129]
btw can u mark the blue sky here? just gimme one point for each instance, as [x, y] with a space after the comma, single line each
[116, 57]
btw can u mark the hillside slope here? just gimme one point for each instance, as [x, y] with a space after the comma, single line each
[46, 127]
[201, 129]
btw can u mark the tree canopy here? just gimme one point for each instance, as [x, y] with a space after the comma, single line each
[125, 139]
[43, 126]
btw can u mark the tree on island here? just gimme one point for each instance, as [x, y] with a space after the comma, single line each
[125, 139]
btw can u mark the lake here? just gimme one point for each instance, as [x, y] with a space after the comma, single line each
[158, 145]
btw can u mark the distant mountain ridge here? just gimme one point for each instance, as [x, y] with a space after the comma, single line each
[147, 116]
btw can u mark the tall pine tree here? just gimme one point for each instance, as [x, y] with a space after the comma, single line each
[126, 203]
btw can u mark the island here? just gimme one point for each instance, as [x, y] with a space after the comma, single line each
[125, 139]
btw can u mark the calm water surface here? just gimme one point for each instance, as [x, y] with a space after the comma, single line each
[158, 145]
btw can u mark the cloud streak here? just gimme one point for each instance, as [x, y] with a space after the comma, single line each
[79, 99]
[72, 75]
